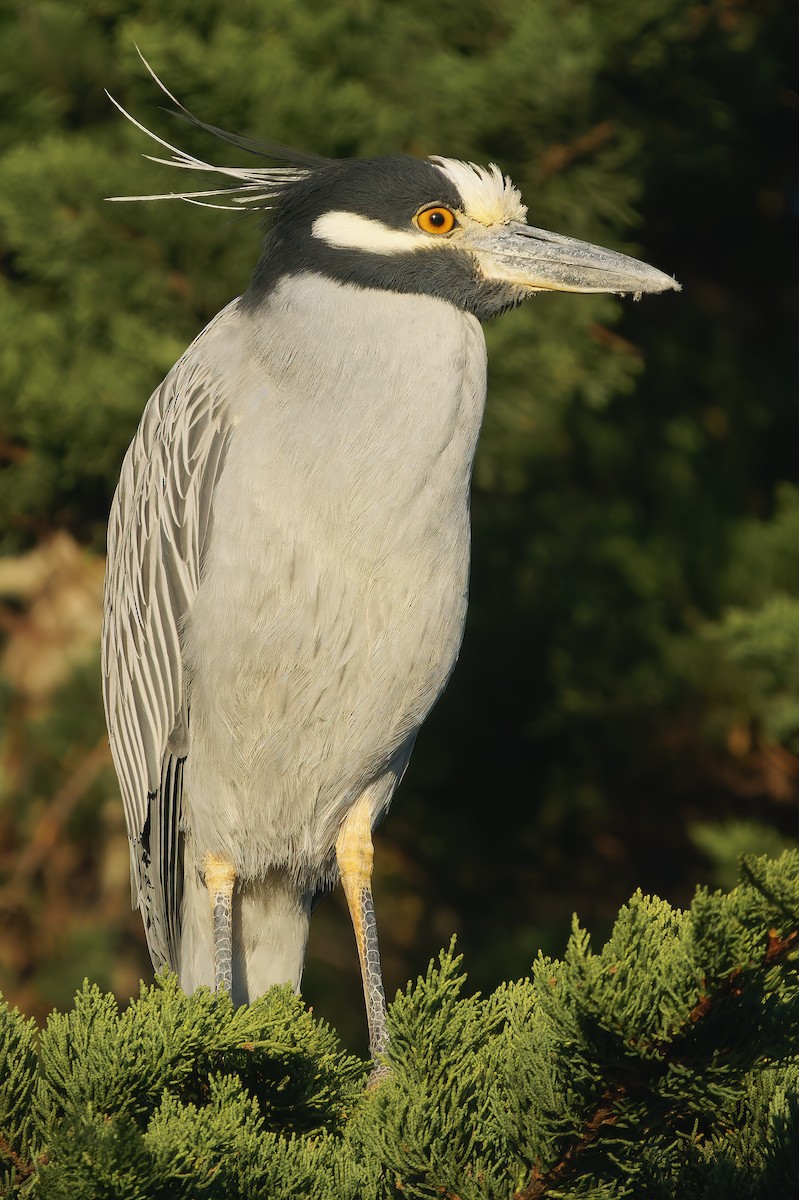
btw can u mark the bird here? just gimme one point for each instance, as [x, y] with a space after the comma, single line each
[289, 543]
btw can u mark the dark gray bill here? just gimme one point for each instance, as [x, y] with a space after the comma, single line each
[539, 260]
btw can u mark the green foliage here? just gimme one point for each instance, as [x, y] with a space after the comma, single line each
[661, 1067]
[759, 633]
[431, 1123]
[95, 1056]
[18, 1078]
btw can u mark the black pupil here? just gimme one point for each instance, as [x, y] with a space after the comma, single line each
[437, 218]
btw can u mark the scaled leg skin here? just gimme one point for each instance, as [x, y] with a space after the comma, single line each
[355, 855]
[219, 879]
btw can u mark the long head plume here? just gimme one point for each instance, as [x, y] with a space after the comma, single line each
[254, 187]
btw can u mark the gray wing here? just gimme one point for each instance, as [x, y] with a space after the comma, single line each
[158, 529]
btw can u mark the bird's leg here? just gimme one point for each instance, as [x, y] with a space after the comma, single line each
[355, 855]
[220, 876]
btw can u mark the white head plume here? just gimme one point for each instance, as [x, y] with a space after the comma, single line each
[489, 196]
[258, 187]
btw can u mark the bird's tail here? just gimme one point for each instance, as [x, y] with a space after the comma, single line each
[270, 931]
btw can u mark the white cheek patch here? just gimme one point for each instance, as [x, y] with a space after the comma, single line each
[349, 231]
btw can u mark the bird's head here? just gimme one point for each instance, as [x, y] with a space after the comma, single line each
[436, 227]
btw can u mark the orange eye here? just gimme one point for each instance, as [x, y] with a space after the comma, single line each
[435, 220]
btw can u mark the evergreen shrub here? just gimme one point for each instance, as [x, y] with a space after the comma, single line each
[661, 1066]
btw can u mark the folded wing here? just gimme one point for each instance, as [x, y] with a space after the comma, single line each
[159, 527]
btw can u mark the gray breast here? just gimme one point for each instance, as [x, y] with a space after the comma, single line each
[339, 560]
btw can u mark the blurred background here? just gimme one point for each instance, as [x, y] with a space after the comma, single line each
[626, 709]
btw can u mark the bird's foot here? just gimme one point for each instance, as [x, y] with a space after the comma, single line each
[379, 1074]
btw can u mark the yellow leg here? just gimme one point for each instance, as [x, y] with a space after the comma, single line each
[355, 855]
[220, 876]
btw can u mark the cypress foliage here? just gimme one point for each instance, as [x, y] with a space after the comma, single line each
[661, 1066]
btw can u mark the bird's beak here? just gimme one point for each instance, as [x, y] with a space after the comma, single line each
[536, 260]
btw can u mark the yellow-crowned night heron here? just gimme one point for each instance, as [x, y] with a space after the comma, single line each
[288, 547]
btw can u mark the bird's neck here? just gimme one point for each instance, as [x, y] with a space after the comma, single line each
[369, 392]
[339, 352]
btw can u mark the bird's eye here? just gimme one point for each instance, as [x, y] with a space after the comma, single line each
[435, 220]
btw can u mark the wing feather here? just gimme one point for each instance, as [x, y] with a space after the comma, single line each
[159, 527]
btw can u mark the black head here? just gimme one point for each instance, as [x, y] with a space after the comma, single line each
[394, 223]
[432, 227]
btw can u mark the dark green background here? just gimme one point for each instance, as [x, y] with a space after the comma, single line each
[625, 710]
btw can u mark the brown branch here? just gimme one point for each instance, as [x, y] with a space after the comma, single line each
[542, 1181]
[556, 158]
[22, 1168]
[758, 769]
[12, 452]
[58, 811]
[778, 948]
[613, 341]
